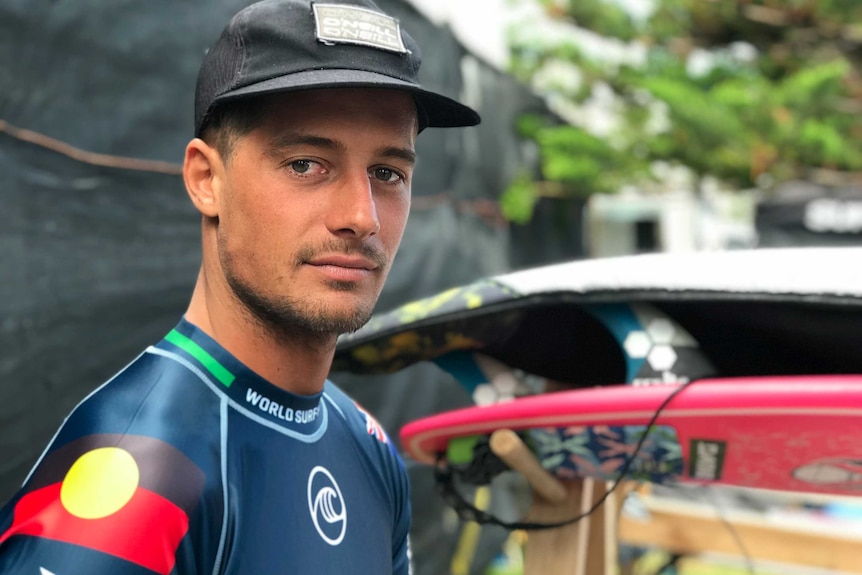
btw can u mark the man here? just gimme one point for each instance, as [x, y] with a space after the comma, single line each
[222, 449]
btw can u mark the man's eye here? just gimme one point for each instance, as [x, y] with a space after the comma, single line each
[301, 166]
[386, 175]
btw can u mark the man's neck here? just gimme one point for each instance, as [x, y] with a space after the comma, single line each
[287, 360]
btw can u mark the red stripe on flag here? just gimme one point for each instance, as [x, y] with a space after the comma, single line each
[146, 531]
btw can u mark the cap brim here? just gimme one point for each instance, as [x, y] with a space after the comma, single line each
[439, 111]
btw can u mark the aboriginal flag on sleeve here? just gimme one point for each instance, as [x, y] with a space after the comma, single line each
[126, 495]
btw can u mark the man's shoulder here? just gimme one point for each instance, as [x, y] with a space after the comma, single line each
[152, 398]
[153, 379]
[363, 424]
[127, 465]
[347, 408]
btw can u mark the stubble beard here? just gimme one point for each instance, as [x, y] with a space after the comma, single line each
[301, 319]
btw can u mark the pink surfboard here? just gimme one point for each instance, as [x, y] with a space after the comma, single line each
[794, 433]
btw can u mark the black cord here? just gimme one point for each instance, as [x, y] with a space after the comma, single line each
[749, 562]
[447, 489]
[672, 562]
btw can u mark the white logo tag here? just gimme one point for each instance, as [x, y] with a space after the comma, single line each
[326, 503]
[339, 24]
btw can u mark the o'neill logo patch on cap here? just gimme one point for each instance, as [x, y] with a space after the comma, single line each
[340, 24]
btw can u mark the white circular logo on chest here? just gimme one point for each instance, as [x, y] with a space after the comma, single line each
[326, 505]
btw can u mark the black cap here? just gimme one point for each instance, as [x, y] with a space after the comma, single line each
[284, 45]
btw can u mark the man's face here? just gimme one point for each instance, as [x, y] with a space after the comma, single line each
[314, 203]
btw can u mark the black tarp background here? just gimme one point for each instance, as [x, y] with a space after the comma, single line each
[98, 262]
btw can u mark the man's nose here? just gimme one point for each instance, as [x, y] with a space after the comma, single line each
[353, 209]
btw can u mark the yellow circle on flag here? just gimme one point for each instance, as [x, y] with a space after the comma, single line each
[100, 483]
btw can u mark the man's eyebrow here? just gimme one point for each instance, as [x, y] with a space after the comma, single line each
[290, 139]
[283, 141]
[395, 152]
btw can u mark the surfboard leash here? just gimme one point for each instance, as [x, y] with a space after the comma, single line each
[489, 466]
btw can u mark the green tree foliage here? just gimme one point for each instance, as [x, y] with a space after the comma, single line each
[743, 90]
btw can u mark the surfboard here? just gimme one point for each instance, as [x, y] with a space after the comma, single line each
[655, 318]
[781, 433]
[736, 328]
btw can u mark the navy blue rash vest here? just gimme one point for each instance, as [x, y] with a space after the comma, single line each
[188, 463]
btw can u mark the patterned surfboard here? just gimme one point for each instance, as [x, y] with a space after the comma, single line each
[782, 433]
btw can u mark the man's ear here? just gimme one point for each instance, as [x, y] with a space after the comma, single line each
[203, 171]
